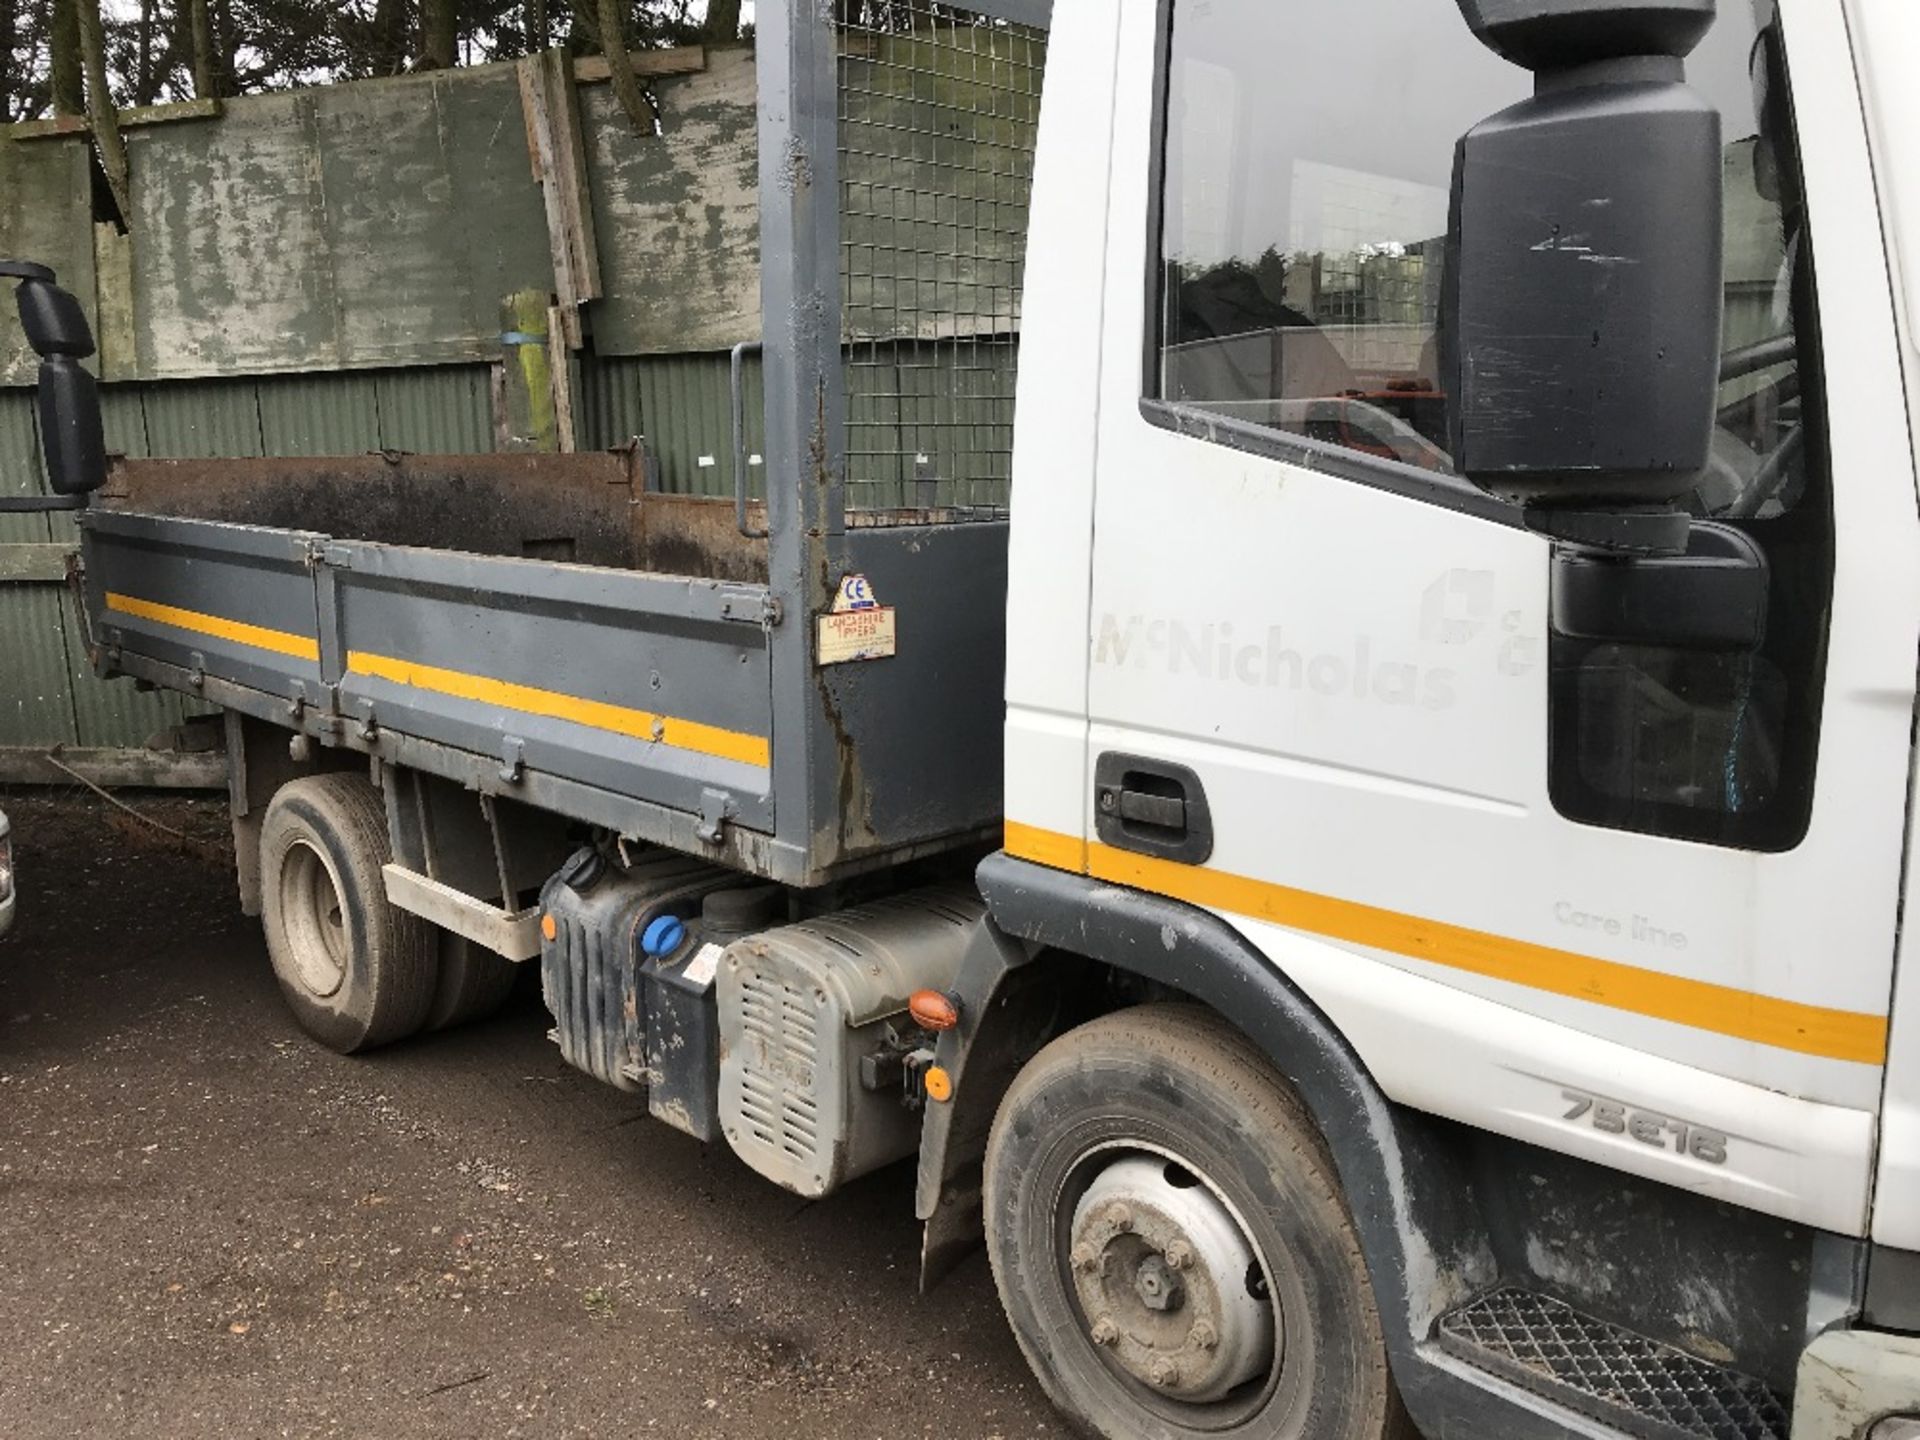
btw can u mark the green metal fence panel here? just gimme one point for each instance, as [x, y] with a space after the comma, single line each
[19, 465]
[206, 419]
[36, 706]
[682, 406]
[606, 403]
[124, 413]
[336, 414]
[48, 693]
[447, 410]
[36, 686]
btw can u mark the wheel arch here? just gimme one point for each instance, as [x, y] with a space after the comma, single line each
[1412, 1198]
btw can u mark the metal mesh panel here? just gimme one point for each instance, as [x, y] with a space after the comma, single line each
[1643, 1387]
[938, 113]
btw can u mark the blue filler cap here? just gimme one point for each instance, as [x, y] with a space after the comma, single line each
[662, 935]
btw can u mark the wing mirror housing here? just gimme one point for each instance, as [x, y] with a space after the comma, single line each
[1582, 299]
[71, 433]
[1581, 318]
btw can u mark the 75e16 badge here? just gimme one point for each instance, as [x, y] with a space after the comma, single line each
[1649, 1127]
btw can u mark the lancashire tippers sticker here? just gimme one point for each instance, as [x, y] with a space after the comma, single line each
[858, 627]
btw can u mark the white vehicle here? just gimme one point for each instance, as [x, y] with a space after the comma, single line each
[6, 875]
[1442, 970]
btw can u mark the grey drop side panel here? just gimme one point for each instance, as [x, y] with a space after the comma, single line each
[560, 665]
[208, 573]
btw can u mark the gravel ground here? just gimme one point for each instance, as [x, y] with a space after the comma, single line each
[210, 1226]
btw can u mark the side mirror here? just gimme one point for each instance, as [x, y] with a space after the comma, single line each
[1583, 287]
[71, 433]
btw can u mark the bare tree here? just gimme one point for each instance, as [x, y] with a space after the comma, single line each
[165, 50]
[100, 108]
[723, 22]
[606, 24]
[387, 54]
[12, 93]
[439, 35]
[205, 76]
[63, 44]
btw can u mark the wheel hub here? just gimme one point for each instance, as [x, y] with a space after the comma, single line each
[314, 920]
[1168, 1283]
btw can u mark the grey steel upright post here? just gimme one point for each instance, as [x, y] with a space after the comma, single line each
[798, 52]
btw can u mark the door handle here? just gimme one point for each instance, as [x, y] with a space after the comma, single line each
[1151, 807]
[1165, 811]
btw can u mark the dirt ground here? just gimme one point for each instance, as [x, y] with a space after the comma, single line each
[210, 1226]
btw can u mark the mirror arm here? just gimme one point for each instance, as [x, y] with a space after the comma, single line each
[1713, 596]
[1627, 533]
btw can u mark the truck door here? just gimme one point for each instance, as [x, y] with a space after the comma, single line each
[1635, 903]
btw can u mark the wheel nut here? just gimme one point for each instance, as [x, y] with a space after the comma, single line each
[1085, 1257]
[1204, 1336]
[1179, 1255]
[1121, 1217]
[1105, 1332]
[1165, 1374]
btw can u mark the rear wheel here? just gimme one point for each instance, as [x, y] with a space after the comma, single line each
[355, 971]
[474, 983]
[1171, 1246]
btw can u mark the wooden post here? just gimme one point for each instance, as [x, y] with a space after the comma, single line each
[527, 390]
[557, 152]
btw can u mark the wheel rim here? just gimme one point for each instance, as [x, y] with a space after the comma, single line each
[314, 920]
[1171, 1288]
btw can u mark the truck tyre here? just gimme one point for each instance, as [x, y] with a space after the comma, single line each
[356, 971]
[1171, 1246]
[474, 983]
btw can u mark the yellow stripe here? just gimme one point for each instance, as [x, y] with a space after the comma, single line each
[280, 642]
[1785, 1024]
[1044, 847]
[596, 714]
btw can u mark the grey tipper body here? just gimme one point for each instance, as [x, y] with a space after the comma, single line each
[676, 648]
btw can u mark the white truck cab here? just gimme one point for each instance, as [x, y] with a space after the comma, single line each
[1626, 897]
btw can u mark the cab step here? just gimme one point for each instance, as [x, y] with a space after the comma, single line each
[1608, 1373]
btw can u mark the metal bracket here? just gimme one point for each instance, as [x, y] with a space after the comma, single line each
[750, 606]
[197, 670]
[369, 723]
[512, 934]
[513, 759]
[716, 808]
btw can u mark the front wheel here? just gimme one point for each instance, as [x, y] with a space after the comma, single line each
[1170, 1243]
